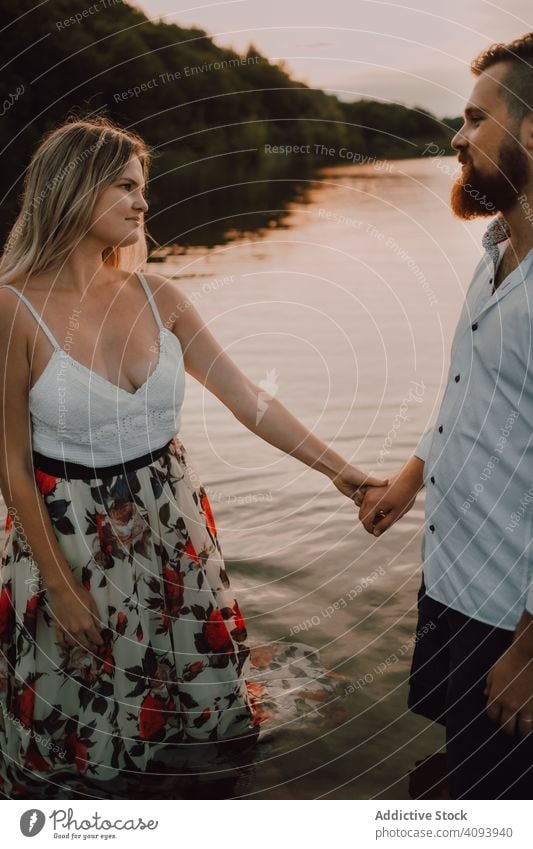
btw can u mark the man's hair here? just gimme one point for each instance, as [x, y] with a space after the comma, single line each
[517, 84]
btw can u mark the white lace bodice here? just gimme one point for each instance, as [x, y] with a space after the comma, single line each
[80, 416]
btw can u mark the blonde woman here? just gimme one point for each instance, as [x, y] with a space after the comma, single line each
[119, 630]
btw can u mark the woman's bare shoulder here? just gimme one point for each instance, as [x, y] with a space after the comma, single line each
[15, 318]
[158, 282]
[170, 297]
[13, 284]
[11, 316]
[14, 321]
[31, 283]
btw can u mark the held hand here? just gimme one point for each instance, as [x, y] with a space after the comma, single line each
[353, 483]
[384, 506]
[77, 620]
[509, 692]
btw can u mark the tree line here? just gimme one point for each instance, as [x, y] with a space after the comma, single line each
[207, 112]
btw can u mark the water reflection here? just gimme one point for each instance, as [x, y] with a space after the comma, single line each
[222, 213]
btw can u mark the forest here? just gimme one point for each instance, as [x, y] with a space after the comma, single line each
[212, 117]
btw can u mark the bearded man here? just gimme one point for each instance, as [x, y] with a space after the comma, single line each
[472, 669]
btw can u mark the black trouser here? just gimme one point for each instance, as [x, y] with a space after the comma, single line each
[451, 661]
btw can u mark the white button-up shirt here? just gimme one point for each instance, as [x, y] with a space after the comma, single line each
[477, 546]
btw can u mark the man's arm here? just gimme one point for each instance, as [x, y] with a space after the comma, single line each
[509, 687]
[383, 506]
[422, 449]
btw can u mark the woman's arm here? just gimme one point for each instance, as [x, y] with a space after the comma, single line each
[262, 414]
[16, 467]
[17, 479]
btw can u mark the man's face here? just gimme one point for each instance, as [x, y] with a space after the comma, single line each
[495, 165]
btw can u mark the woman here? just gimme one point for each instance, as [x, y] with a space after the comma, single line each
[120, 635]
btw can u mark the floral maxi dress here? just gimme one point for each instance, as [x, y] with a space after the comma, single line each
[145, 544]
[175, 667]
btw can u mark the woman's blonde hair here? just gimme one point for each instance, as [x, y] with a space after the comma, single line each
[73, 164]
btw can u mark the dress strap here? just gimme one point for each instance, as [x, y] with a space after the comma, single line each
[36, 315]
[150, 297]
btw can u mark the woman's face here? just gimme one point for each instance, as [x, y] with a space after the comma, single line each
[118, 217]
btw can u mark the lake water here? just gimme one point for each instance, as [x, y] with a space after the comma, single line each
[345, 312]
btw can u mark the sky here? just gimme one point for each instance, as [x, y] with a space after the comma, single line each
[415, 52]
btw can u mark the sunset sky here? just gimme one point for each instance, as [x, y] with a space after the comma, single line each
[415, 52]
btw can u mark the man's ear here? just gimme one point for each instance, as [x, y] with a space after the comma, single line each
[526, 133]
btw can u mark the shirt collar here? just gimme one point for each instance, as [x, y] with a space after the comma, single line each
[496, 233]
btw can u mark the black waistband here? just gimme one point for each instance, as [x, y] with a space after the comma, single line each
[69, 470]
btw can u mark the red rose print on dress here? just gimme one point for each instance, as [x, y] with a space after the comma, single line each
[190, 551]
[45, 483]
[206, 507]
[126, 523]
[83, 665]
[105, 653]
[105, 537]
[238, 632]
[216, 633]
[192, 670]
[7, 615]
[153, 716]
[30, 614]
[99, 529]
[260, 707]
[173, 585]
[122, 621]
[261, 714]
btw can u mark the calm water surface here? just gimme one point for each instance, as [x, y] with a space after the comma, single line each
[345, 314]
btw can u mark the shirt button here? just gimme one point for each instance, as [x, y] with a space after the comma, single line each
[440, 428]
[457, 378]
[432, 479]
[475, 325]
[432, 528]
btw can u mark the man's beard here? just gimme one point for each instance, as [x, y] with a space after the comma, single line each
[476, 195]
